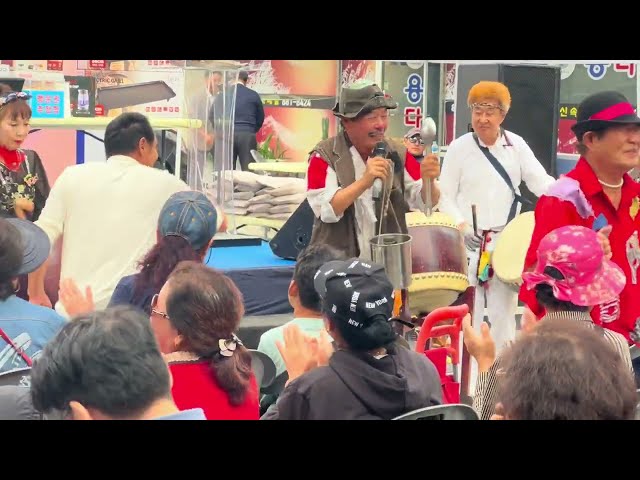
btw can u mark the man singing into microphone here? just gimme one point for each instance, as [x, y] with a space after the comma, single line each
[343, 169]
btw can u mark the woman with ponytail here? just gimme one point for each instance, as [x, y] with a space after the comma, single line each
[186, 226]
[194, 318]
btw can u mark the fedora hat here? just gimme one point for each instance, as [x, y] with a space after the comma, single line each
[603, 110]
[356, 99]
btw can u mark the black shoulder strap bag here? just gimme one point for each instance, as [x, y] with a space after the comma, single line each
[505, 176]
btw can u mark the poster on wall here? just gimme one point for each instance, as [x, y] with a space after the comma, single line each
[406, 85]
[577, 81]
[294, 83]
[82, 96]
[307, 78]
[36, 65]
[47, 103]
[157, 94]
[130, 65]
[30, 65]
[449, 102]
[102, 64]
[298, 96]
[288, 134]
[55, 65]
[357, 70]
[152, 65]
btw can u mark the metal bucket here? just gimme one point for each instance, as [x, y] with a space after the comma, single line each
[393, 251]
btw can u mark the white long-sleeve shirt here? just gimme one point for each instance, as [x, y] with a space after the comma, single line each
[322, 185]
[108, 213]
[468, 178]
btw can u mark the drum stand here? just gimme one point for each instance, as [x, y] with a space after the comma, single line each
[408, 327]
[402, 314]
[468, 297]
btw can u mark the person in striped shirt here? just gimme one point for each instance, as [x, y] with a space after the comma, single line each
[563, 371]
[572, 275]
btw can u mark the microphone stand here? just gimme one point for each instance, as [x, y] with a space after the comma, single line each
[384, 206]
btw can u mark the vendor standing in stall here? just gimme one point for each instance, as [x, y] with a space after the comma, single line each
[24, 186]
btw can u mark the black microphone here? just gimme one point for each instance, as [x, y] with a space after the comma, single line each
[380, 150]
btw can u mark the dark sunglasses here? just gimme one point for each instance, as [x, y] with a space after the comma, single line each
[416, 141]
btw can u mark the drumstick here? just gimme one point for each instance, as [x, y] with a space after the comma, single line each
[475, 219]
[428, 205]
[428, 208]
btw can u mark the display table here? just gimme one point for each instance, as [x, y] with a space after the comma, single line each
[97, 123]
[279, 167]
[262, 277]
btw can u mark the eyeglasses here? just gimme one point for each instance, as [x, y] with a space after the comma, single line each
[10, 97]
[154, 304]
[415, 141]
[489, 109]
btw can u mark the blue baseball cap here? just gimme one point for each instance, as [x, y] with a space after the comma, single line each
[190, 215]
[34, 243]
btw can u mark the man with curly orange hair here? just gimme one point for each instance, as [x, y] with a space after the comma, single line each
[485, 168]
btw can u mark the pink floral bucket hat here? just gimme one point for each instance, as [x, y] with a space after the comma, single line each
[589, 278]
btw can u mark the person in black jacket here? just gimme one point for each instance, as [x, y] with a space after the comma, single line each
[248, 119]
[368, 376]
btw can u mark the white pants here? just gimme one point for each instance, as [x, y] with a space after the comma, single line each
[501, 304]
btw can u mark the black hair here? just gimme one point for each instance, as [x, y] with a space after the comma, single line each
[308, 262]
[581, 148]
[379, 332]
[208, 74]
[17, 108]
[205, 306]
[564, 370]
[124, 132]
[545, 297]
[11, 255]
[107, 360]
[159, 262]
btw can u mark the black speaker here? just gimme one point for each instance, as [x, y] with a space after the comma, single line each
[535, 104]
[295, 234]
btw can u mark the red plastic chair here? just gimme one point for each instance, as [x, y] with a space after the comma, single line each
[429, 330]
